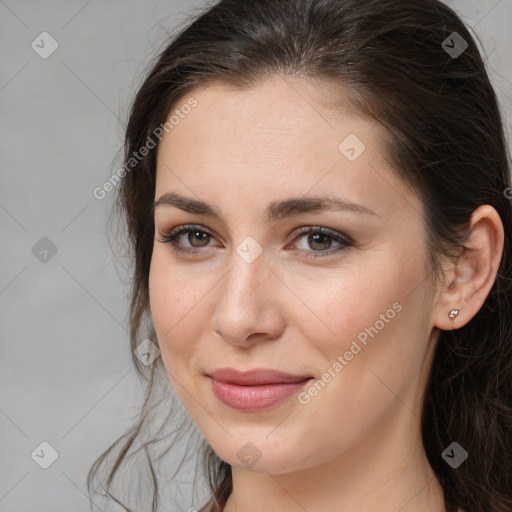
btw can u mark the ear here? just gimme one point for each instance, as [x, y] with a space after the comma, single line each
[469, 282]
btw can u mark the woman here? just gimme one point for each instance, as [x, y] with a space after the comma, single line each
[316, 196]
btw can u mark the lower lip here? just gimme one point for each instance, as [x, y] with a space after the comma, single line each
[253, 398]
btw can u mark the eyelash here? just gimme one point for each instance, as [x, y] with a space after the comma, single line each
[171, 236]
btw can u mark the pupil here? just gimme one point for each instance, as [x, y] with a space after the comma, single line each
[325, 237]
[198, 234]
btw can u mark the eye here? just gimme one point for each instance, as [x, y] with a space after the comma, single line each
[322, 238]
[317, 238]
[194, 234]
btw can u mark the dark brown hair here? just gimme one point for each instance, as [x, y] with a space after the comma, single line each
[446, 140]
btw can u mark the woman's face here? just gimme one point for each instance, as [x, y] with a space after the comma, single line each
[356, 319]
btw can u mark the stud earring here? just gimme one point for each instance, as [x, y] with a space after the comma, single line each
[453, 313]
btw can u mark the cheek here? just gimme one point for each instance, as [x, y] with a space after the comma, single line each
[376, 335]
[176, 302]
[337, 307]
[371, 320]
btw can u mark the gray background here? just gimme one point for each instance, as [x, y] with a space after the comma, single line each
[65, 371]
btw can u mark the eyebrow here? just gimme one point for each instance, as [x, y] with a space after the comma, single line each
[276, 210]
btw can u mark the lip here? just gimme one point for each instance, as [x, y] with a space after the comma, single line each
[254, 389]
[255, 376]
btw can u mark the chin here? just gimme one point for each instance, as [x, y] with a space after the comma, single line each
[262, 456]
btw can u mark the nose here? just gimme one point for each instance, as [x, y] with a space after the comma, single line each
[248, 307]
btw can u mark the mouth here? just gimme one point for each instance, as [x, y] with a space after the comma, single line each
[255, 389]
[255, 377]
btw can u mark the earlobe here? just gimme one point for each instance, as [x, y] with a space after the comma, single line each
[474, 273]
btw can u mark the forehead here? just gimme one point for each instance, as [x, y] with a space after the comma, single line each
[292, 106]
[273, 121]
[278, 137]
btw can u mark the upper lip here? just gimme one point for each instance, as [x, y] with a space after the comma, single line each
[255, 376]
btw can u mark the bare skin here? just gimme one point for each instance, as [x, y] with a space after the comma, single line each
[355, 445]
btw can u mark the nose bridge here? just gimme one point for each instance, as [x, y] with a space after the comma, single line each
[243, 282]
[243, 305]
